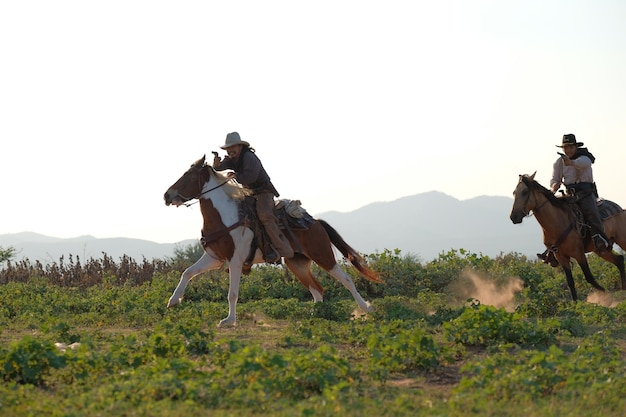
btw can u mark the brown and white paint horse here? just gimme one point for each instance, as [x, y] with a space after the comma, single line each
[230, 240]
[560, 232]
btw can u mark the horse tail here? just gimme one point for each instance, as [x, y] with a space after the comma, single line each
[349, 253]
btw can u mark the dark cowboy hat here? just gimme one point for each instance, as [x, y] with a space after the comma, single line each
[570, 139]
[233, 139]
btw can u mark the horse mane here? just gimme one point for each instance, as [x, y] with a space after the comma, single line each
[230, 187]
[559, 202]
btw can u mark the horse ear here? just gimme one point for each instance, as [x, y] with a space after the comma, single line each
[200, 162]
[532, 177]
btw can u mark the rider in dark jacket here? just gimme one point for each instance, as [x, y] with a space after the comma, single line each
[249, 172]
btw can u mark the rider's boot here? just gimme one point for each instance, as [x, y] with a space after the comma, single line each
[548, 258]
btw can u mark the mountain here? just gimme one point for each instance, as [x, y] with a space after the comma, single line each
[46, 249]
[424, 225]
[430, 223]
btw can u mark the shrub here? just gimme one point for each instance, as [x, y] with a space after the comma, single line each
[481, 325]
[398, 346]
[594, 367]
[28, 361]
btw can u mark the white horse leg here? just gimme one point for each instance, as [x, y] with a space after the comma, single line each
[347, 282]
[206, 262]
[317, 296]
[234, 275]
[235, 265]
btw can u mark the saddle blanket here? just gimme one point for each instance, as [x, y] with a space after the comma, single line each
[607, 209]
[297, 216]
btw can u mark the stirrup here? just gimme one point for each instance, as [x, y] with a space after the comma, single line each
[600, 242]
[272, 257]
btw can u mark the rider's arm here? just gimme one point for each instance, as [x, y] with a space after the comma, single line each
[225, 163]
[557, 175]
[581, 162]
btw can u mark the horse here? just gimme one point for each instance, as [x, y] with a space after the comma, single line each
[561, 234]
[228, 238]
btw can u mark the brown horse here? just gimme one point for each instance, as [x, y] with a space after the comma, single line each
[228, 238]
[561, 234]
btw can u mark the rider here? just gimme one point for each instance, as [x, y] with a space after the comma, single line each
[573, 169]
[249, 172]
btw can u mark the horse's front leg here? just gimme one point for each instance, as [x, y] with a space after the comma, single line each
[570, 280]
[206, 262]
[234, 275]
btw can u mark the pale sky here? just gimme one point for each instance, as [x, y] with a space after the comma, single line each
[104, 104]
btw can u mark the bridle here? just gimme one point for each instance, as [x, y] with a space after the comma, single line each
[536, 209]
[555, 246]
[200, 184]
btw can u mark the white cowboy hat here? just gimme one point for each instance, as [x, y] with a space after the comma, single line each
[233, 139]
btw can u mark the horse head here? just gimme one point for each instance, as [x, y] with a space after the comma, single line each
[521, 198]
[189, 186]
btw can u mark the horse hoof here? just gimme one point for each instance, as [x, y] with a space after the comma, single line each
[173, 303]
[227, 322]
[368, 307]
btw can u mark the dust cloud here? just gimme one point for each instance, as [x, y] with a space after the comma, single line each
[604, 299]
[471, 285]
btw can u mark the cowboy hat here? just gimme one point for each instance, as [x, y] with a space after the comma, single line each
[570, 139]
[233, 139]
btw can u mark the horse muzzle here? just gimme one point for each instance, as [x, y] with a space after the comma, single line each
[517, 216]
[172, 197]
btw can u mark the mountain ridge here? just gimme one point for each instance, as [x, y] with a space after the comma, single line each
[424, 225]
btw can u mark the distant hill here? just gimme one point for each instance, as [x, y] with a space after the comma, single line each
[430, 223]
[46, 249]
[423, 225]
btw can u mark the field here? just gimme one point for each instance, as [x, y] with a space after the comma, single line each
[461, 335]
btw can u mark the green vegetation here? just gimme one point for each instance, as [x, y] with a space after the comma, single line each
[6, 253]
[95, 339]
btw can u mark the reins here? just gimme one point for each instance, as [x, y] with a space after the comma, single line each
[555, 246]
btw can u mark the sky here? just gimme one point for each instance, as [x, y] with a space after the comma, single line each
[104, 104]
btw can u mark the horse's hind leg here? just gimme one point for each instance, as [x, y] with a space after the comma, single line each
[618, 261]
[622, 272]
[300, 265]
[205, 263]
[347, 282]
[589, 276]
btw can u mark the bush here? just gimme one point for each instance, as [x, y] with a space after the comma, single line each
[480, 325]
[594, 367]
[29, 361]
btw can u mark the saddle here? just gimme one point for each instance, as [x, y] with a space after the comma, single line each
[290, 215]
[607, 209]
